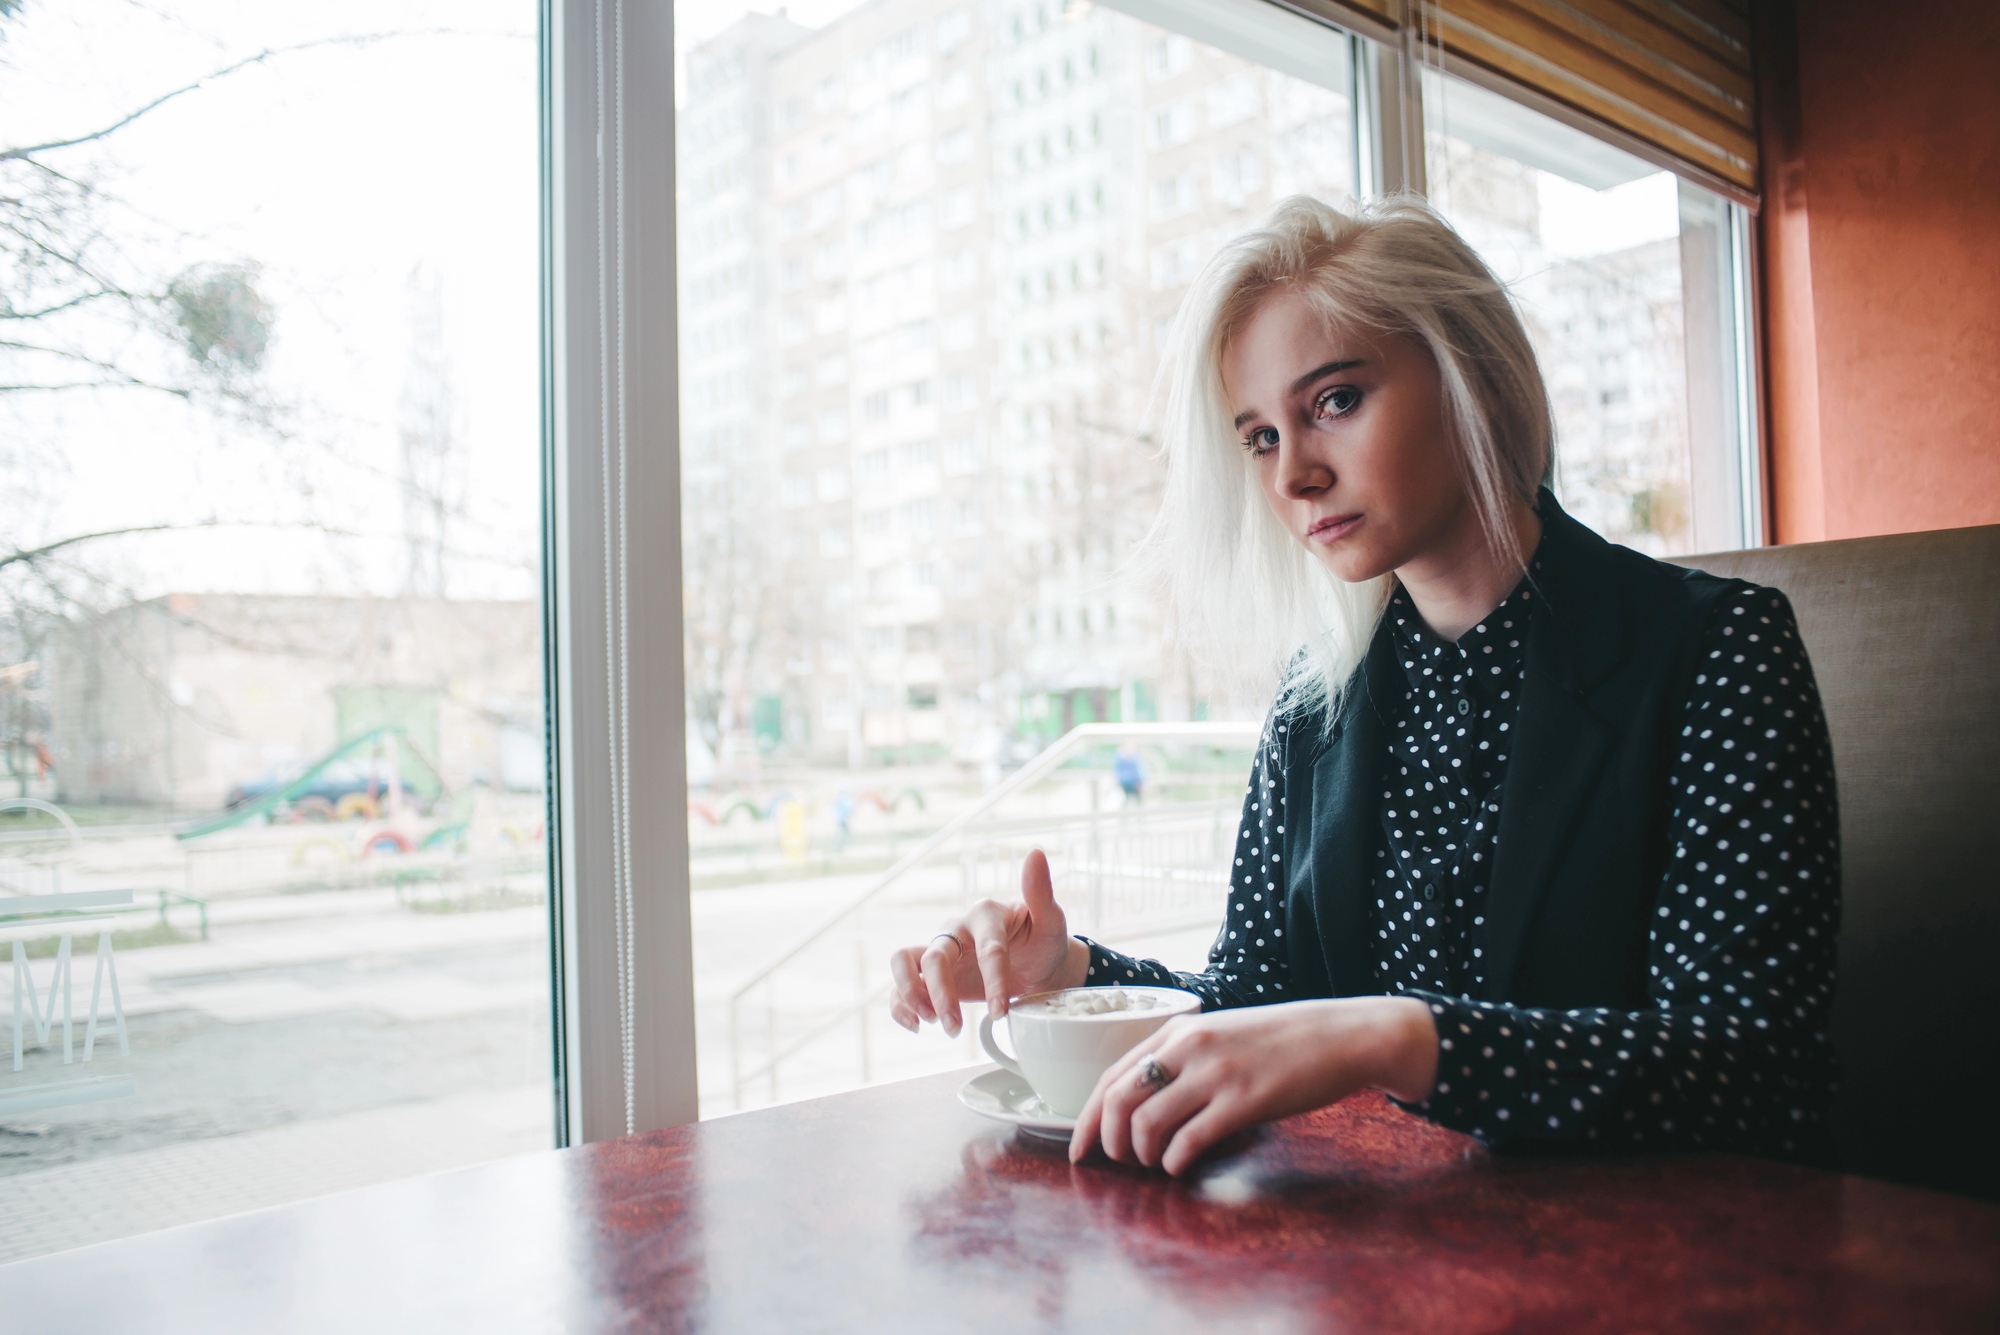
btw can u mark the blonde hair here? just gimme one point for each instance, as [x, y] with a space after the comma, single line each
[1240, 583]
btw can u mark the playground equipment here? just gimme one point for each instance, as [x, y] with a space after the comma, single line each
[774, 806]
[393, 740]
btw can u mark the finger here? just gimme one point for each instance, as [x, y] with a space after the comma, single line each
[1088, 1131]
[907, 995]
[1158, 1116]
[937, 977]
[987, 924]
[901, 1006]
[1038, 891]
[1122, 1094]
[1199, 1134]
[1083, 1137]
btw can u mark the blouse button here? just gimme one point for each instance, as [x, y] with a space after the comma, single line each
[1464, 706]
[1431, 891]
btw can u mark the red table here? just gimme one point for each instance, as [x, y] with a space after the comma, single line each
[896, 1209]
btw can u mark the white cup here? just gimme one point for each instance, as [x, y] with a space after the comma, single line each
[1062, 1054]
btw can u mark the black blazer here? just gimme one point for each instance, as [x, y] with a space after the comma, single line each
[1582, 844]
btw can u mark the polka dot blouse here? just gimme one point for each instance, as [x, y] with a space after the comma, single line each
[1731, 1051]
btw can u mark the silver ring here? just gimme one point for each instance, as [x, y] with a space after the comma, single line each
[951, 937]
[1153, 1076]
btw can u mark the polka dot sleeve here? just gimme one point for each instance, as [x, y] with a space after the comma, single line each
[1732, 1051]
[1248, 964]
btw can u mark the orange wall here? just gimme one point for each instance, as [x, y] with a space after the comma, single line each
[1881, 249]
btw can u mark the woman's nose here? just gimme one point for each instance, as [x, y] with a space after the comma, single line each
[1299, 474]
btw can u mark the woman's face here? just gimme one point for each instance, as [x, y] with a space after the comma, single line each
[1348, 438]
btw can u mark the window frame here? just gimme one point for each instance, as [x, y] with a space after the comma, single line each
[621, 960]
[621, 954]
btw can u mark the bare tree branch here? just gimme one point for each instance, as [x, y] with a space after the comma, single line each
[34, 554]
[357, 39]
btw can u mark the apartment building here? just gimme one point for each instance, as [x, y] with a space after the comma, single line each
[729, 450]
[975, 224]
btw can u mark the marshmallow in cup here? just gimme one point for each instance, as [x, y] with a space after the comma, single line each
[1063, 1041]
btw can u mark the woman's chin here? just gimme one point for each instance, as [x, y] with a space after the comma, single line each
[1351, 566]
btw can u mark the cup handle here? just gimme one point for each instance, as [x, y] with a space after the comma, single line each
[993, 1049]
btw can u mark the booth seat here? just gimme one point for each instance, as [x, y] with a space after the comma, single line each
[1904, 633]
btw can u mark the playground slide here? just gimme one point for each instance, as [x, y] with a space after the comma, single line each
[263, 805]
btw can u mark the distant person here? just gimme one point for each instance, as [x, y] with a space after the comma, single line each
[843, 813]
[1130, 772]
[1541, 837]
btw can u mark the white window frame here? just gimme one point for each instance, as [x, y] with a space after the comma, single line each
[621, 948]
[621, 959]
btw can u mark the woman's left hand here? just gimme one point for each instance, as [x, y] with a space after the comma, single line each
[1236, 1068]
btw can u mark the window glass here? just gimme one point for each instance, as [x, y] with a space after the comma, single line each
[272, 872]
[1627, 280]
[916, 459]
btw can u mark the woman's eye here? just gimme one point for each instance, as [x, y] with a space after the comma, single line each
[1261, 441]
[1339, 401]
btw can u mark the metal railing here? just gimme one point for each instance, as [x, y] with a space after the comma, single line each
[1123, 873]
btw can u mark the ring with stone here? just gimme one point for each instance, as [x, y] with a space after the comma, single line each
[1153, 1076]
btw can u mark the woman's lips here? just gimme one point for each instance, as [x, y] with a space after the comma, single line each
[1328, 531]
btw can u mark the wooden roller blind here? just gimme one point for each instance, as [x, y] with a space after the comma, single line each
[1673, 73]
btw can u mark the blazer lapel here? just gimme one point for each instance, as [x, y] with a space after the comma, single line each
[1346, 808]
[1576, 638]
[1559, 749]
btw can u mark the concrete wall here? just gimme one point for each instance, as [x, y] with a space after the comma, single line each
[1881, 249]
[170, 702]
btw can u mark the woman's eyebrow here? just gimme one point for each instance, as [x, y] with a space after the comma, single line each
[1319, 371]
[1305, 380]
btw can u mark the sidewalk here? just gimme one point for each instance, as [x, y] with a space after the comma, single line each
[120, 1195]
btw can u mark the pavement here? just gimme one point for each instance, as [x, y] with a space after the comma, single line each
[329, 1040]
[316, 1042]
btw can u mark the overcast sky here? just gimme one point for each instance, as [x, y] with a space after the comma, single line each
[338, 170]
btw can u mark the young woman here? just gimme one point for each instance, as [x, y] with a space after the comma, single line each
[1541, 834]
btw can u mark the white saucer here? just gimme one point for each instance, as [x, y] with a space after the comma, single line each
[1006, 1097]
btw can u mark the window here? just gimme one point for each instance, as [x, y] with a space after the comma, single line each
[956, 209]
[1173, 195]
[955, 148]
[1170, 126]
[1624, 276]
[952, 30]
[959, 269]
[1168, 56]
[293, 717]
[1239, 174]
[1232, 101]
[960, 332]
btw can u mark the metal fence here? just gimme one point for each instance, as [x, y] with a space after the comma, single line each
[813, 1019]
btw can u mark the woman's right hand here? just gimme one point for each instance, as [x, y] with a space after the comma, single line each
[996, 951]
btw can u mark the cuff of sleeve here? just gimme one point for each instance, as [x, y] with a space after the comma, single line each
[1110, 968]
[1468, 1080]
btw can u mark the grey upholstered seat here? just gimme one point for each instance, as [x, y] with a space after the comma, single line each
[1904, 633]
